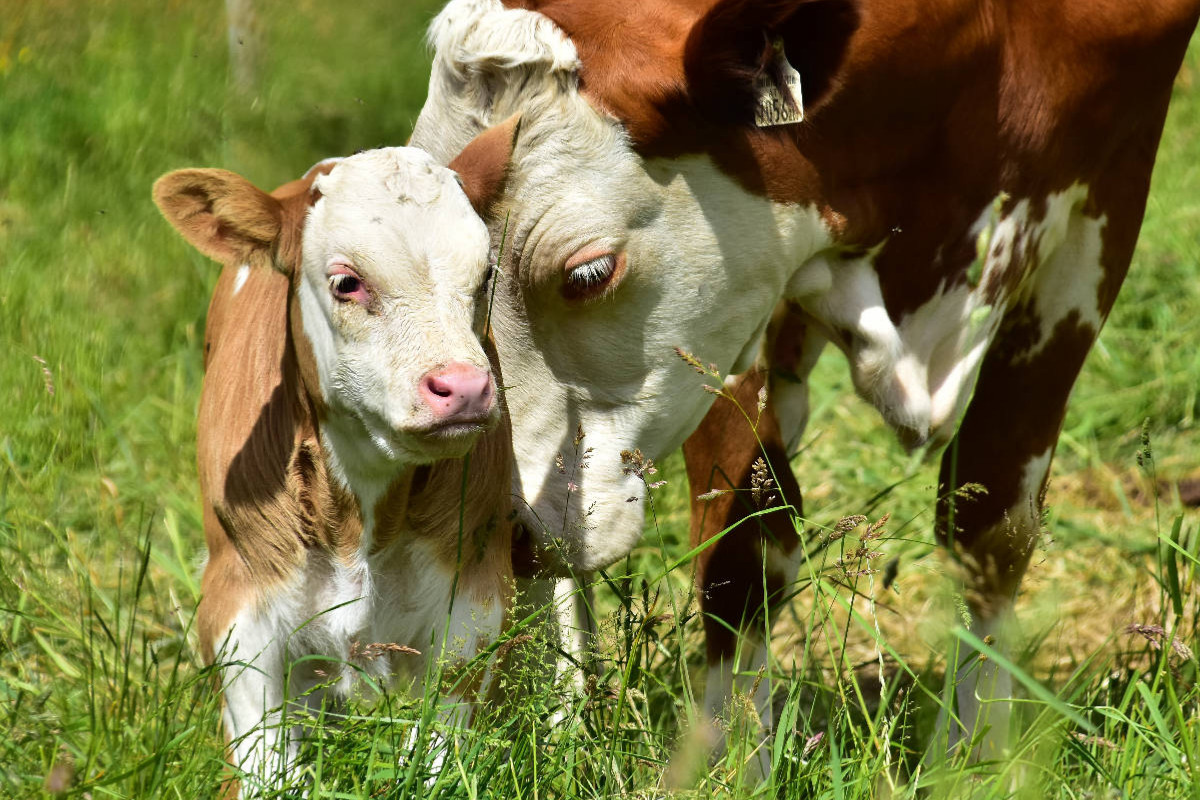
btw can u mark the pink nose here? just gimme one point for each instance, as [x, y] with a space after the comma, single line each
[458, 392]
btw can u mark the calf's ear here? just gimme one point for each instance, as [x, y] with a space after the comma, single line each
[484, 163]
[221, 213]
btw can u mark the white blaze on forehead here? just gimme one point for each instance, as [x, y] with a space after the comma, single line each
[400, 212]
[400, 173]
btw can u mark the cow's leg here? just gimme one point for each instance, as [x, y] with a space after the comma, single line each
[568, 623]
[1007, 437]
[743, 576]
[575, 616]
[476, 620]
[252, 680]
[744, 573]
[1002, 456]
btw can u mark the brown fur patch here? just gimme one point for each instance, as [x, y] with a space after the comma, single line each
[918, 114]
[721, 455]
[267, 492]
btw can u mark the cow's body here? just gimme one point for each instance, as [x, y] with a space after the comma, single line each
[956, 214]
[335, 513]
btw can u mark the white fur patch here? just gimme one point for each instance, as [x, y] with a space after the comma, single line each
[920, 371]
[1068, 279]
[473, 40]
[400, 596]
[325, 162]
[239, 280]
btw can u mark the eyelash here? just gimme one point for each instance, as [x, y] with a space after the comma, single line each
[584, 279]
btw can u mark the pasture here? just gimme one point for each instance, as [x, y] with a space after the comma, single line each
[102, 310]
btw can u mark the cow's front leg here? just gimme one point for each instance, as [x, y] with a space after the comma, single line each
[1007, 437]
[737, 452]
[998, 463]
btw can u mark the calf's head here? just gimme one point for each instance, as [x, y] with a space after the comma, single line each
[388, 261]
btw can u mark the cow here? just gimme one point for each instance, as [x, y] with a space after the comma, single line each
[346, 393]
[947, 191]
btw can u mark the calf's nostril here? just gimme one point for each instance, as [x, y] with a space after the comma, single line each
[439, 386]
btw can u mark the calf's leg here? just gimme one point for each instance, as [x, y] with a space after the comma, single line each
[251, 662]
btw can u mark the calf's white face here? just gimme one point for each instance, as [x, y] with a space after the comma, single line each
[611, 262]
[388, 261]
[394, 261]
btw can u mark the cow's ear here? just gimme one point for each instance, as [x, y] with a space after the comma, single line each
[484, 163]
[221, 213]
[742, 50]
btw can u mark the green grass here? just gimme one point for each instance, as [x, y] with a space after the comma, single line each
[101, 309]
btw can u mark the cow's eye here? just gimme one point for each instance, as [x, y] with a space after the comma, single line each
[347, 287]
[589, 276]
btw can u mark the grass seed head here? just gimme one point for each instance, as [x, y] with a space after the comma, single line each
[47, 376]
[761, 483]
[1156, 635]
[875, 529]
[845, 525]
[375, 650]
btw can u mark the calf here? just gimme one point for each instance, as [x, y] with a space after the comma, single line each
[346, 393]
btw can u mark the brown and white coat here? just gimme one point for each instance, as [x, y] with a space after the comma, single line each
[955, 213]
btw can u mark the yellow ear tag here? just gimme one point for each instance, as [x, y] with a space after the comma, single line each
[780, 99]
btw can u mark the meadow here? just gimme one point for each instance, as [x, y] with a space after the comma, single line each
[102, 310]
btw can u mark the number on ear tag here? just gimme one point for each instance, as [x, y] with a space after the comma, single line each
[780, 99]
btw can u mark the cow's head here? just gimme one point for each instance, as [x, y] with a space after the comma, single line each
[628, 228]
[388, 263]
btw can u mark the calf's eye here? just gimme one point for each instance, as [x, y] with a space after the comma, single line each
[346, 287]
